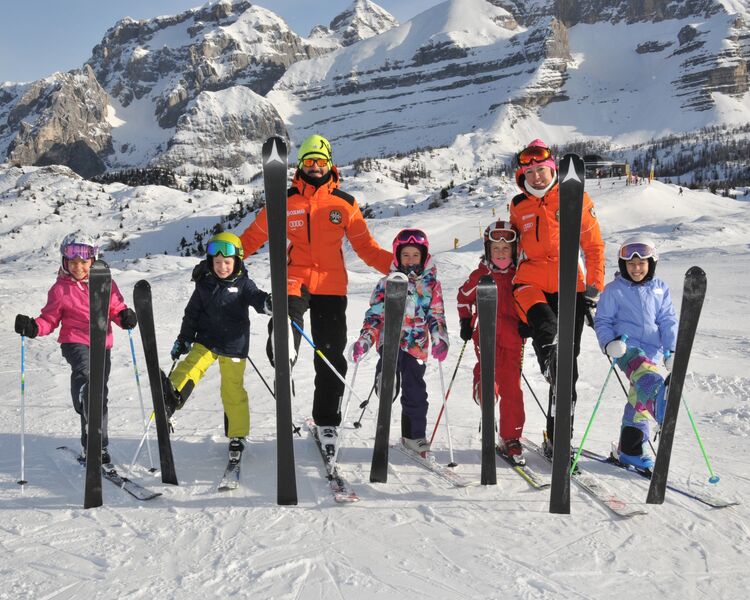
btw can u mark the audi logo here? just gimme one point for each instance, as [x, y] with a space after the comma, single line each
[296, 223]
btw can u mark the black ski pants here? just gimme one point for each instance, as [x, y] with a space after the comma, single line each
[328, 329]
[77, 356]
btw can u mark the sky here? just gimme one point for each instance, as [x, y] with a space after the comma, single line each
[39, 37]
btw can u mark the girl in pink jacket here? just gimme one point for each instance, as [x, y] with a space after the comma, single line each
[68, 305]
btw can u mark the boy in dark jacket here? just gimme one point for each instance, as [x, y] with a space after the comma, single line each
[216, 325]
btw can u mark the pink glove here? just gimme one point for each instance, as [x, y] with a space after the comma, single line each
[359, 349]
[440, 350]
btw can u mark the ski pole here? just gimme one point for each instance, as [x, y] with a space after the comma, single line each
[23, 481]
[713, 477]
[326, 361]
[528, 385]
[358, 423]
[150, 420]
[591, 420]
[343, 418]
[452, 463]
[140, 398]
[447, 393]
[263, 379]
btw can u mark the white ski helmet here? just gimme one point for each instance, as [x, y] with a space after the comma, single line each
[77, 245]
[639, 246]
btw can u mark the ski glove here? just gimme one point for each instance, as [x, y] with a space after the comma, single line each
[466, 329]
[669, 360]
[616, 348]
[179, 348]
[26, 326]
[440, 350]
[200, 270]
[128, 320]
[268, 306]
[591, 296]
[360, 348]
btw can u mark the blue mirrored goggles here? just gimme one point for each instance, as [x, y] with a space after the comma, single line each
[629, 251]
[226, 249]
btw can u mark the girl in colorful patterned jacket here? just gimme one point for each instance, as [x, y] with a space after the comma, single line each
[424, 320]
[68, 305]
[498, 261]
[635, 323]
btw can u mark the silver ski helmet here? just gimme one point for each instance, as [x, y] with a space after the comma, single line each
[78, 245]
[639, 246]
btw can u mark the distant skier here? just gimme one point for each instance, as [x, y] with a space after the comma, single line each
[216, 326]
[498, 261]
[424, 321]
[68, 306]
[638, 305]
[319, 216]
[534, 213]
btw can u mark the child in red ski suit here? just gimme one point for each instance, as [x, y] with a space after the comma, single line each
[499, 262]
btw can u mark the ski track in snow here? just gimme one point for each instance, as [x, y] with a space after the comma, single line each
[415, 535]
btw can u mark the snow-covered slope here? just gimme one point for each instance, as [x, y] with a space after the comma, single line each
[413, 536]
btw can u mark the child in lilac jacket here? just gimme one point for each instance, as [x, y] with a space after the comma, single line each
[68, 306]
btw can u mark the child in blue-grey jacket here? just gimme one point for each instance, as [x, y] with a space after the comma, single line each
[636, 323]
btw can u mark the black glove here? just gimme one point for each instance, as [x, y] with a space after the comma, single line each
[591, 296]
[179, 348]
[200, 270]
[268, 306]
[26, 326]
[466, 329]
[128, 320]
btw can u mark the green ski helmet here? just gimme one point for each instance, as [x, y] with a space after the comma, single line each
[227, 244]
[316, 146]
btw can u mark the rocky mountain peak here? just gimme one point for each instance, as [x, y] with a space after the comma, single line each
[362, 20]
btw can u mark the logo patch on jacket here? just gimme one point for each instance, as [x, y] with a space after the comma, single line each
[335, 217]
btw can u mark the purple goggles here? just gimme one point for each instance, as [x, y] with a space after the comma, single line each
[411, 236]
[82, 251]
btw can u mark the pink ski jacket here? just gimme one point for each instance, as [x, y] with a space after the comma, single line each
[68, 303]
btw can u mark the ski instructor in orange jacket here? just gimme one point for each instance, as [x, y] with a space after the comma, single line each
[535, 215]
[319, 215]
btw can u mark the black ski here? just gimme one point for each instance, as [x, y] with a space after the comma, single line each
[274, 154]
[110, 474]
[487, 323]
[572, 175]
[145, 313]
[693, 293]
[395, 303]
[100, 286]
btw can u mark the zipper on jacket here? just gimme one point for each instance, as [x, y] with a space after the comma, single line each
[307, 216]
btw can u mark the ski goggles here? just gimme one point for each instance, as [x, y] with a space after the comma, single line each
[502, 235]
[309, 162]
[82, 251]
[629, 251]
[411, 236]
[533, 154]
[217, 247]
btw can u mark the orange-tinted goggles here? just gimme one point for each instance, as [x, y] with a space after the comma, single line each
[309, 162]
[533, 154]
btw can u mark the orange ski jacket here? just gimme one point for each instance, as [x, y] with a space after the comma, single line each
[317, 221]
[537, 221]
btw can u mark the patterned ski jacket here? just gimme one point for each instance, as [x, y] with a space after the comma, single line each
[216, 315]
[642, 311]
[507, 316]
[424, 313]
[68, 304]
[318, 218]
[537, 221]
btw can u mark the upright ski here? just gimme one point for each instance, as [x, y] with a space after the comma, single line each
[100, 286]
[274, 154]
[572, 175]
[694, 291]
[145, 313]
[395, 303]
[487, 322]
